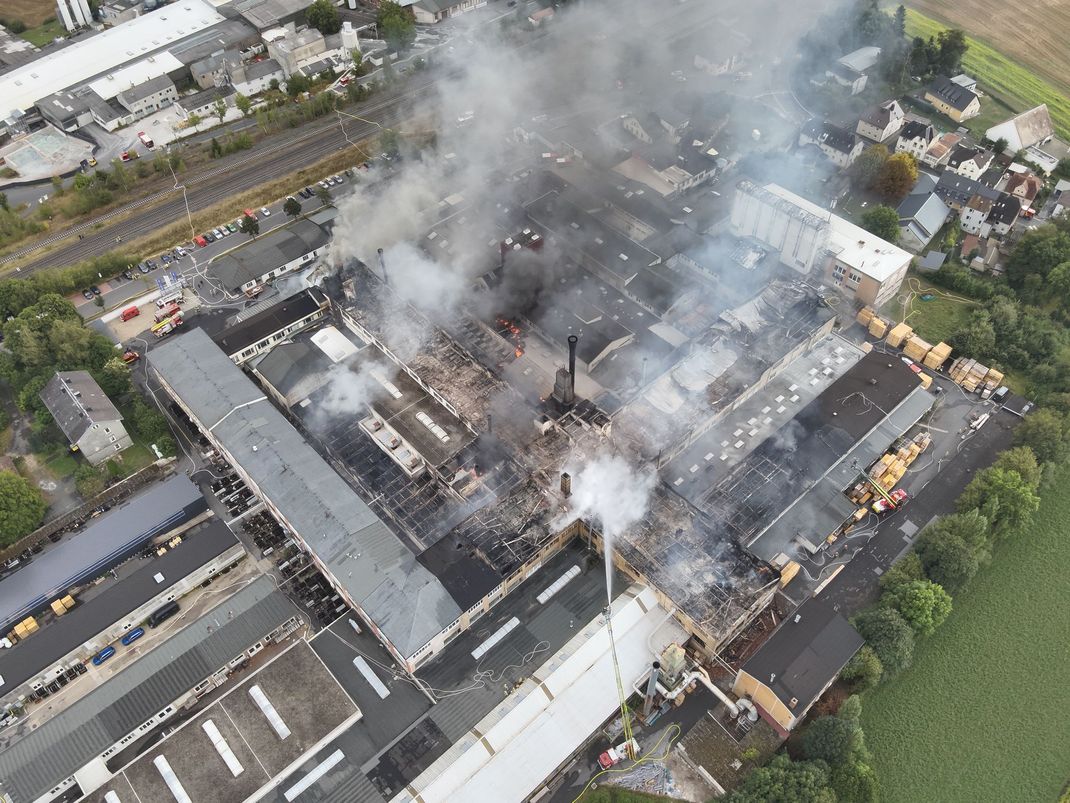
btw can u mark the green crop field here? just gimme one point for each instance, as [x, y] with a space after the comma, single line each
[1011, 85]
[982, 715]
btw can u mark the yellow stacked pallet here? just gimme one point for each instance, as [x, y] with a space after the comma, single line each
[867, 347]
[938, 356]
[959, 368]
[68, 602]
[57, 608]
[865, 315]
[926, 380]
[878, 327]
[975, 377]
[899, 334]
[916, 348]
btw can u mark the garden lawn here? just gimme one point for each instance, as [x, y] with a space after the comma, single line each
[982, 715]
[1008, 82]
[934, 320]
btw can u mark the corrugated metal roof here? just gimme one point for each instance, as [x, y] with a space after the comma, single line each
[364, 556]
[64, 744]
[98, 546]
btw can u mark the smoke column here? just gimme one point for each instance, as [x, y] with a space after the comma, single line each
[612, 493]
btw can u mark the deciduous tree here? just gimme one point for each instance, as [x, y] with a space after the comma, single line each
[952, 549]
[1047, 433]
[897, 176]
[882, 221]
[21, 507]
[891, 638]
[243, 103]
[323, 15]
[864, 670]
[1003, 497]
[292, 207]
[785, 781]
[250, 225]
[396, 25]
[832, 739]
[923, 604]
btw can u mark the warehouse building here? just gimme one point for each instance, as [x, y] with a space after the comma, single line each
[280, 251]
[373, 570]
[102, 543]
[67, 756]
[258, 328]
[35, 663]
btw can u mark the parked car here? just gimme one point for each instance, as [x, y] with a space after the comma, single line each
[232, 227]
[265, 211]
[141, 266]
[87, 294]
[219, 235]
[128, 274]
[130, 356]
[132, 636]
[200, 241]
[152, 263]
[209, 236]
[166, 259]
[94, 290]
[324, 184]
[103, 655]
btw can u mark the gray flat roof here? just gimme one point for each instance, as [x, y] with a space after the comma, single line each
[268, 253]
[365, 558]
[102, 543]
[308, 700]
[63, 744]
[35, 654]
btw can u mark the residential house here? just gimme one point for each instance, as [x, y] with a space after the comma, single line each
[957, 190]
[1023, 186]
[957, 102]
[852, 71]
[880, 123]
[1060, 197]
[798, 663]
[655, 126]
[85, 415]
[915, 138]
[839, 145]
[428, 12]
[716, 55]
[969, 162]
[990, 216]
[1005, 213]
[939, 150]
[975, 213]
[253, 77]
[1025, 130]
[920, 217]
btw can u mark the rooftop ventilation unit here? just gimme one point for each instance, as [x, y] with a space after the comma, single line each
[111, 797]
[371, 677]
[497, 636]
[171, 780]
[273, 718]
[558, 584]
[221, 746]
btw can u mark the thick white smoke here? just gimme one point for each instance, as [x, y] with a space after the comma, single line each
[613, 494]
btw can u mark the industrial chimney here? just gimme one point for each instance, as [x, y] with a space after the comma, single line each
[651, 688]
[382, 266]
[572, 341]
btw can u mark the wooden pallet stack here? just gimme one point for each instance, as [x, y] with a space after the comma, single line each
[865, 315]
[916, 348]
[937, 356]
[890, 468]
[899, 335]
[878, 326]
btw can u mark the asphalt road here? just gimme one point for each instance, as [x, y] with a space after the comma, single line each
[242, 172]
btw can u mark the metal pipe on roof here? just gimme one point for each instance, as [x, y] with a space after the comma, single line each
[572, 341]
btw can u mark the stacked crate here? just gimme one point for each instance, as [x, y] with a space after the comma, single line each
[865, 315]
[890, 468]
[975, 377]
[878, 326]
[899, 334]
[916, 348]
[993, 379]
[937, 356]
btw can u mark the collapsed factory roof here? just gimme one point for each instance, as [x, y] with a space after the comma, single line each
[94, 615]
[88, 727]
[721, 365]
[102, 543]
[369, 561]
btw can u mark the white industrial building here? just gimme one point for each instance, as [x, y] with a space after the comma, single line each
[813, 241]
[73, 14]
[95, 56]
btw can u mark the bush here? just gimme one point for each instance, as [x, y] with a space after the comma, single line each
[89, 481]
[864, 671]
[923, 604]
[891, 638]
[22, 508]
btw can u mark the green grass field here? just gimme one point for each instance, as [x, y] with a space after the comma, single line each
[1012, 86]
[44, 34]
[982, 715]
[933, 320]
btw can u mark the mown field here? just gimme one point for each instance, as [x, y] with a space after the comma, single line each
[31, 12]
[982, 715]
[1016, 70]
